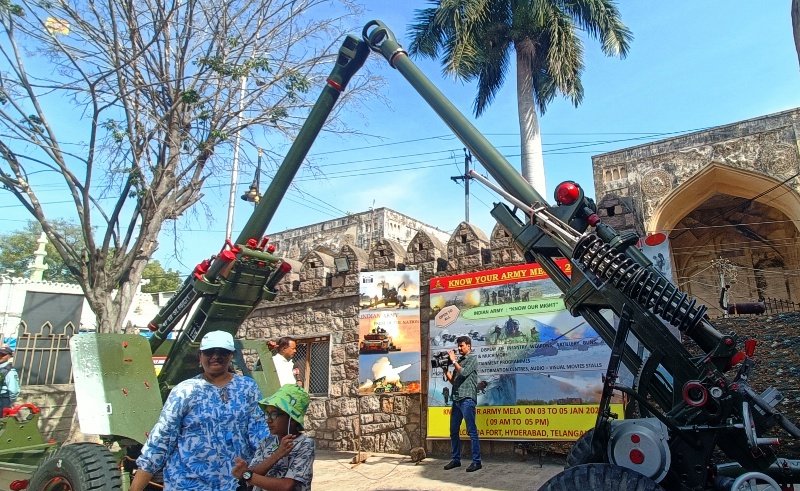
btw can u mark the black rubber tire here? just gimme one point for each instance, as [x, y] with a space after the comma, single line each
[583, 452]
[605, 477]
[78, 467]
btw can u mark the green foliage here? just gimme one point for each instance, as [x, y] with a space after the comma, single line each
[218, 65]
[12, 8]
[115, 129]
[17, 248]
[277, 113]
[35, 123]
[160, 280]
[219, 135]
[190, 97]
[475, 41]
[234, 41]
[296, 84]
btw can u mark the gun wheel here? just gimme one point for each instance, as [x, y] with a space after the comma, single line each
[78, 467]
[585, 451]
[755, 480]
[607, 477]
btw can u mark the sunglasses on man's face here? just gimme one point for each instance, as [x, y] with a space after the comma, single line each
[218, 352]
[273, 415]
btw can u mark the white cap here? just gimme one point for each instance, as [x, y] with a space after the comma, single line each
[217, 339]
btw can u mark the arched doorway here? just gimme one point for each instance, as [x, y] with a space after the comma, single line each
[739, 219]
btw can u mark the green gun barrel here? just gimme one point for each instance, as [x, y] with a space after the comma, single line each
[232, 288]
[381, 40]
[351, 58]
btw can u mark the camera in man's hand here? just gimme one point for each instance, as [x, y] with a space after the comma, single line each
[441, 360]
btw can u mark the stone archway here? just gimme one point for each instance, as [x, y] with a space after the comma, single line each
[719, 179]
[745, 218]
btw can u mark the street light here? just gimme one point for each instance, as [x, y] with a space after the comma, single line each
[235, 163]
[253, 195]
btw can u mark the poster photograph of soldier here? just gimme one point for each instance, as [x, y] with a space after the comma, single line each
[656, 248]
[534, 357]
[389, 332]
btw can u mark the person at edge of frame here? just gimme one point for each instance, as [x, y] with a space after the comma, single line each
[9, 379]
[464, 395]
[206, 421]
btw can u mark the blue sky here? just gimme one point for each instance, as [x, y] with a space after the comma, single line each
[691, 65]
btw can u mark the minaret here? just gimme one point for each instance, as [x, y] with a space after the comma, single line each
[39, 267]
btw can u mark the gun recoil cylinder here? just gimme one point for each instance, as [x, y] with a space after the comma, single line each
[647, 288]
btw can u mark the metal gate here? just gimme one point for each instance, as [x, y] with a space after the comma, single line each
[49, 320]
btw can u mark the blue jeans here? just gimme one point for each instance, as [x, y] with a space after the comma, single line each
[464, 409]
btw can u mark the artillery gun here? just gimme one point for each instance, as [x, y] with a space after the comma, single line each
[687, 407]
[118, 393]
[383, 387]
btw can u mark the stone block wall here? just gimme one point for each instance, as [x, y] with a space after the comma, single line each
[343, 420]
[464, 249]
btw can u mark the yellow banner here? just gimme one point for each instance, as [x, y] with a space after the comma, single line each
[551, 422]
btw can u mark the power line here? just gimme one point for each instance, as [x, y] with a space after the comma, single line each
[777, 242]
[450, 136]
[359, 173]
[728, 225]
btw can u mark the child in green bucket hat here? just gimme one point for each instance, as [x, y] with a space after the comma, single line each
[285, 459]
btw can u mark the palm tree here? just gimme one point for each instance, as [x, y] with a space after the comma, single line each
[795, 10]
[475, 40]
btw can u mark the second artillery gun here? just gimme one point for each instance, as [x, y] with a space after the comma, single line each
[688, 408]
[688, 411]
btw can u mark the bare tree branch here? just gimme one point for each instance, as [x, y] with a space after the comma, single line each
[133, 104]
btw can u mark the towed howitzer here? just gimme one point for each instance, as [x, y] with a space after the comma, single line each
[694, 407]
[119, 396]
[689, 406]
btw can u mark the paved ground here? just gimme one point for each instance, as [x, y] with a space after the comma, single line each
[388, 472]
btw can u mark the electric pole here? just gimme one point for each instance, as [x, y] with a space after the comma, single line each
[466, 178]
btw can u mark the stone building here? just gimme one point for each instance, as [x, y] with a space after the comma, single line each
[323, 316]
[728, 198]
[359, 229]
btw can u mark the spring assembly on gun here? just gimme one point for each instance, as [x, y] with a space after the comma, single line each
[645, 286]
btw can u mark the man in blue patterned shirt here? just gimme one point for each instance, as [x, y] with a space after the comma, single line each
[206, 422]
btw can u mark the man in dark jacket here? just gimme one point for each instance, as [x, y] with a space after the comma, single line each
[464, 395]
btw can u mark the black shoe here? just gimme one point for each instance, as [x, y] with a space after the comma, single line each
[474, 467]
[452, 465]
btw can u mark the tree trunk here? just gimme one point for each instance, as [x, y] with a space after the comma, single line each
[530, 135]
[111, 305]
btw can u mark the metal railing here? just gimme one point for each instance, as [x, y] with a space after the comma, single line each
[42, 357]
[313, 360]
[777, 305]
